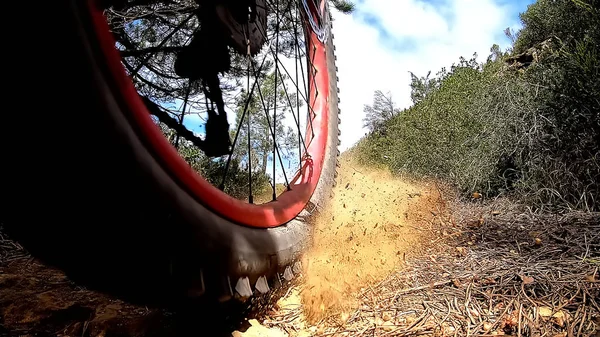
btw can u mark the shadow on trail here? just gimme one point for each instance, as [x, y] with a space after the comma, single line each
[39, 300]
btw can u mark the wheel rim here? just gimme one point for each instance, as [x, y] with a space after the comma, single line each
[301, 187]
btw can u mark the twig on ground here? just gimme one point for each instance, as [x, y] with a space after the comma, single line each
[505, 280]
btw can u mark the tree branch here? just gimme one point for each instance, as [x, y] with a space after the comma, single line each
[172, 123]
[150, 50]
[148, 83]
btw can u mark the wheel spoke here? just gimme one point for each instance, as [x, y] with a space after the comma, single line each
[311, 111]
[250, 196]
[275, 103]
[297, 119]
[150, 43]
[271, 130]
[297, 50]
[237, 133]
[278, 61]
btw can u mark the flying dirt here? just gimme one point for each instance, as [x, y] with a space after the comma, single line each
[374, 223]
[367, 233]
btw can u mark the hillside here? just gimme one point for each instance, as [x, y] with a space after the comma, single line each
[523, 123]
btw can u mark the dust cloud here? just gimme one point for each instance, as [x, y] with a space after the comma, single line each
[369, 229]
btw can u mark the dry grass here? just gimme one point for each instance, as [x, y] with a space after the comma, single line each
[484, 274]
[10, 251]
[267, 194]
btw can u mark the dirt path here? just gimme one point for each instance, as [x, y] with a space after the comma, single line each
[390, 258]
[393, 258]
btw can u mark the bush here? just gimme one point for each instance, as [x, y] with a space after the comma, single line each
[567, 20]
[237, 182]
[563, 160]
[533, 133]
[213, 169]
[456, 133]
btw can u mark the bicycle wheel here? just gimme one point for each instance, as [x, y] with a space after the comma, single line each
[120, 206]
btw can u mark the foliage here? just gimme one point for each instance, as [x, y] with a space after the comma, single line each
[382, 110]
[262, 115]
[150, 36]
[237, 182]
[261, 140]
[150, 33]
[343, 6]
[533, 132]
[422, 86]
[563, 161]
[567, 20]
[213, 169]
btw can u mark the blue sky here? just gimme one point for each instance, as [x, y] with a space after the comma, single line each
[383, 40]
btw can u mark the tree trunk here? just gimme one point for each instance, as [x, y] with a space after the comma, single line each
[265, 160]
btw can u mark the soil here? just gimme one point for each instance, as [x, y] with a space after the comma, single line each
[391, 257]
[38, 300]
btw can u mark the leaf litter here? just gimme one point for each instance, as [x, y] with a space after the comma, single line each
[480, 268]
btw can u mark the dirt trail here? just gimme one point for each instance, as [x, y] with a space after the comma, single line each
[370, 228]
[388, 259]
[393, 258]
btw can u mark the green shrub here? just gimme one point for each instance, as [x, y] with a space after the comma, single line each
[563, 160]
[213, 169]
[532, 133]
[456, 133]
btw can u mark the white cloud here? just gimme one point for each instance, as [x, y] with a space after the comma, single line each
[383, 40]
[407, 18]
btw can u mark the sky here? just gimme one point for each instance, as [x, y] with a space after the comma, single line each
[383, 40]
